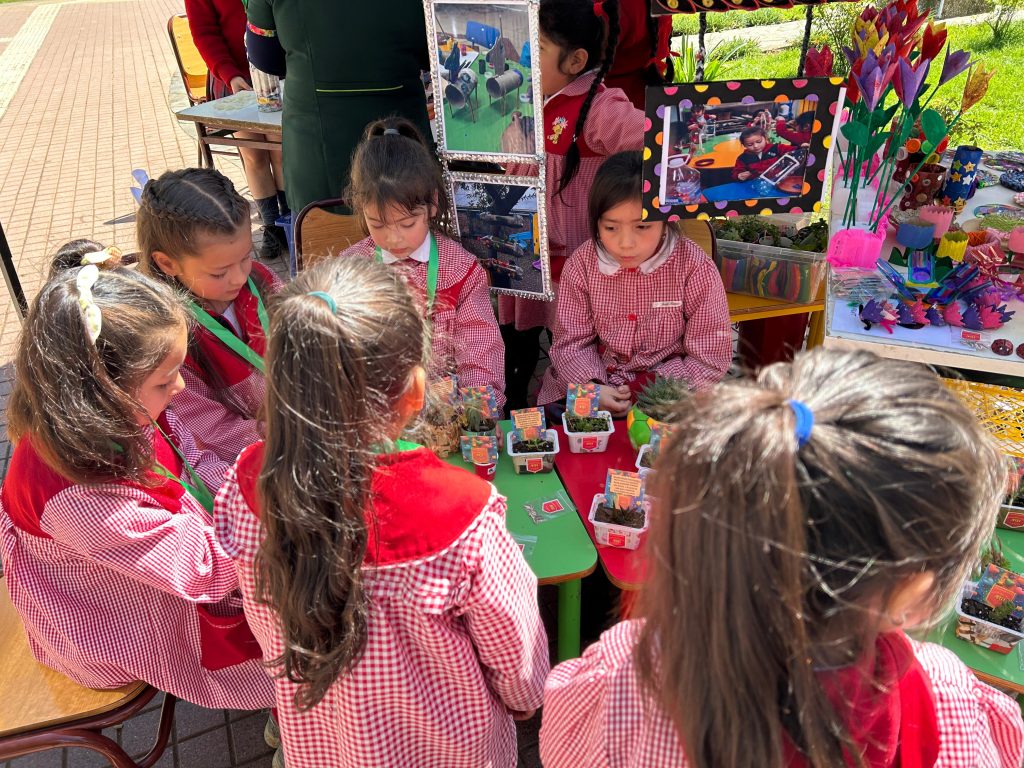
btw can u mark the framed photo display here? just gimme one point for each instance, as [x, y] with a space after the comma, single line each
[482, 68]
[501, 222]
[738, 146]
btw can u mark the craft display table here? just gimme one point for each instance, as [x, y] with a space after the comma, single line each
[743, 307]
[563, 554]
[237, 112]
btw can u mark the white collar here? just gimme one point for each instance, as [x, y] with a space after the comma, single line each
[609, 266]
[421, 254]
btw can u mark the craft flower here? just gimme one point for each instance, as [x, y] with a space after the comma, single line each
[874, 78]
[954, 63]
[952, 246]
[933, 40]
[870, 40]
[819, 62]
[977, 86]
[907, 80]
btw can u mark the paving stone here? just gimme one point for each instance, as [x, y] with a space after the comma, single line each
[208, 750]
[247, 738]
[190, 719]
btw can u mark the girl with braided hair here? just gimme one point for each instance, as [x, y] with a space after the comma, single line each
[193, 231]
[584, 123]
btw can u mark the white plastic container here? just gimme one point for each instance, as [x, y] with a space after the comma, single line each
[621, 536]
[589, 442]
[641, 470]
[533, 463]
[995, 637]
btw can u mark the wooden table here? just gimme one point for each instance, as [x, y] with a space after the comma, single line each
[563, 554]
[237, 112]
[743, 307]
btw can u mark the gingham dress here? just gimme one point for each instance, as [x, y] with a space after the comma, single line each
[597, 715]
[613, 125]
[106, 579]
[611, 329]
[465, 339]
[455, 642]
[215, 426]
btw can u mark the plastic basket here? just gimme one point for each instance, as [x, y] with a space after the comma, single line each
[769, 272]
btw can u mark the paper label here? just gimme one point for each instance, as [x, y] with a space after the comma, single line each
[581, 399]
[623, 490]
[616, 539]
[588, 443]
[534, 465]
[627, 484]
[444, 390]
[479, 449]
[527, 418]
[667, 304]
[553, 506]
[1014, 520]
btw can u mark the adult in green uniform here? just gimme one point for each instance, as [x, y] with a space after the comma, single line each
[347, 64]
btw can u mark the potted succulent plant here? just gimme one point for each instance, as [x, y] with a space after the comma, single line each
[991, 609]
[656, 403]
[479, 412]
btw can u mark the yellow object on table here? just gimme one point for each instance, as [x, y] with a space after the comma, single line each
[999, 409]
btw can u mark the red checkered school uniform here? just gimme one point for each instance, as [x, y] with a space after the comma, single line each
[625, 327]
[465, 339]
[217, 427]
[454, 639]
[596, 713]
[793, 136]
[110, 579]
[613, 125]
[757, 164]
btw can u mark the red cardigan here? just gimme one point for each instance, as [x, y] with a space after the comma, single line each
[218, 28]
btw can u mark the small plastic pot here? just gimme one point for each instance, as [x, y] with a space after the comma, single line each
[533, 463]
[589, 442]
[612, 535]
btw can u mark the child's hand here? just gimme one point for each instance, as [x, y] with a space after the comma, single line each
[615, 400]
[238, 84]
[744, 175]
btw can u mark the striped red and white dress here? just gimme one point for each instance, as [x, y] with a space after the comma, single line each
[108, 578]
[465, 339]
[613, 125]
[613, 329]
[454, 642]
[596, 713]
[216, 426]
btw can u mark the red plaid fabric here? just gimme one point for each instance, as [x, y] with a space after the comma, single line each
[596, 713]
[215, 426]
[110, 597]
[613, 328]
[613, 125]
[465, 339]
[455, 642]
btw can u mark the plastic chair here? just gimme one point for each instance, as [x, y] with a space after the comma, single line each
[321, 233]
[44, 710]
[194, 75]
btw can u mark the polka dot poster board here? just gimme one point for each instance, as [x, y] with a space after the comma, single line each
[713, 164]
[665, 7]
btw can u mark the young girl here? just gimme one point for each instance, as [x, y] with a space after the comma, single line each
[796, 538]
[398, 190]
[193, 230]
[637, 300]
[584, 122]
[395, 609]
[218, 28]
[105, 531]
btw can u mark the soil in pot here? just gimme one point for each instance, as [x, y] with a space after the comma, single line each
[630, 518]
[533, 446]
[985, 612]
[647, 460]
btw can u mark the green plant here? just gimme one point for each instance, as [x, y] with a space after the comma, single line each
[586, 423]
[475, 417]
[1001, 612]
[1003, 21]
[684, 66]
[536, 445]
[660, 397]
[991, 555]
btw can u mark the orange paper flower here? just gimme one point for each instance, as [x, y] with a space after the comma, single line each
[976, 87]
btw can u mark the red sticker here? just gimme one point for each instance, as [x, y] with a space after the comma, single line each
[1014, 520]
[588, 443]
[552, 506]
[616, 540]
[534, 465]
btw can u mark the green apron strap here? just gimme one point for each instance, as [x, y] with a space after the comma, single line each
[196, 488]
[230, 340]
[398, 446]
[432, 270]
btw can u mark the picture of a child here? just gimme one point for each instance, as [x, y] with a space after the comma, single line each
[758, 154]
[798, 130]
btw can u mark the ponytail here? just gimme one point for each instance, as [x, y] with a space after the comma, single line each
[345, 339]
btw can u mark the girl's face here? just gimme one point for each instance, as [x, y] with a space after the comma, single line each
[396, 230]
[165, 381]
[219, 269]
[626, 236]
[558, 68]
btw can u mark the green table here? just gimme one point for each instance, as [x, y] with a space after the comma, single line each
[1002, 670]
[563, 554]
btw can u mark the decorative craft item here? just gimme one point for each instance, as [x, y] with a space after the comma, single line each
[939, 215]
[1013, 180]
[915, 234]
[924, 186]
[958, 187]
[952, 246]
[737, 165]
[1016, 241]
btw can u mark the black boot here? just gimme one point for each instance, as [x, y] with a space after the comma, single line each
[272, 244]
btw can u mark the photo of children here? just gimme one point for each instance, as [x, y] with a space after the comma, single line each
[498, 224]
[740, 151]
[484, 61]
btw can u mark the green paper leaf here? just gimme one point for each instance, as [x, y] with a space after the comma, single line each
[933, 125]
[897, 259]
[875, 143]
[856, 133]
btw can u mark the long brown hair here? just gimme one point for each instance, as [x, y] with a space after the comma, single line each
[176, 211]
[393, 166]
[75, 399]
[333, 377]
[770, 559]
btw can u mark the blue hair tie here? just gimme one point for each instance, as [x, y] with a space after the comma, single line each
[326, 299]
[804, 421]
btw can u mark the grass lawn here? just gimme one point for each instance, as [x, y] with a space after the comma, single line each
[688, 23]
[995, 123]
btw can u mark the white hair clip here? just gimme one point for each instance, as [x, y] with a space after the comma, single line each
[98, 257]
[91, 315]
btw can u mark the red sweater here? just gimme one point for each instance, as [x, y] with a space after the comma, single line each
[218, 28]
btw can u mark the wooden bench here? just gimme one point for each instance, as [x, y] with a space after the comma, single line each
[42, 709]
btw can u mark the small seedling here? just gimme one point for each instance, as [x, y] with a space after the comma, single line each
[587, 423]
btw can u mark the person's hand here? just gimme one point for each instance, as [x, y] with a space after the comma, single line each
[523, 715]
[239, 84]
[744, 175]
[615, 400]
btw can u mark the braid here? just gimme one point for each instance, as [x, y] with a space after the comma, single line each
[654, 76]
[611, 41]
